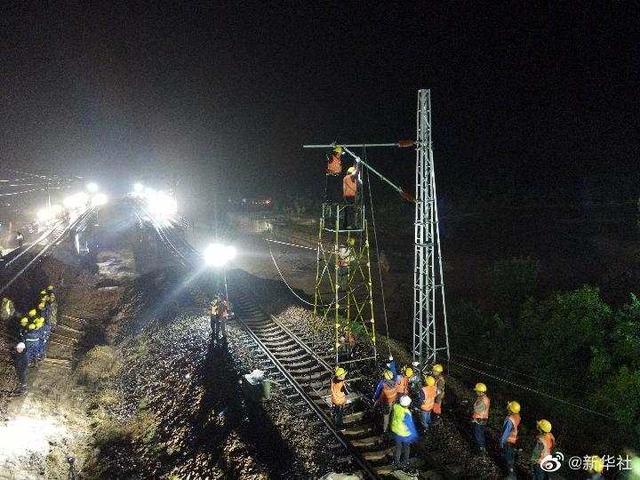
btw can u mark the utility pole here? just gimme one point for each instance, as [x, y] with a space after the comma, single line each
[429, 303]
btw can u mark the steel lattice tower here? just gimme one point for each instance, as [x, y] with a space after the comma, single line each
[429, 306]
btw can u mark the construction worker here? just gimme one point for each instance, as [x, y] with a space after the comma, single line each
[19, 239]
[349, 195]
[510, 437]
[21, 363]
[403, 381]
[427, 397]
[386, 395]
[544, 446]
[437, 373]
[480, 416]
[415, 382]
[215, 309]
[338, 396]
[332, 175]
[596, 467]
[403, 430]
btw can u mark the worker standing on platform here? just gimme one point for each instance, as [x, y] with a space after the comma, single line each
[21, 363]
[437, 372]
[350, 193]
[480, 416]
[338, 396]
[404, 431]
[332, 176]
[510, 437]
[386, 395]
[427, 397]
[544, 446]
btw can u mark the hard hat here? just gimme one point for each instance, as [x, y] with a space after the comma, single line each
[32, 312]
[480, 388]
[544, 425]
[437, 369]
[43, 292]
[388, 374]
[337, 149]
[408, 372]
[20, 347]
[351, 242]
[405, 400]
[429, 380]
[513, 407]
[597, 464]
[351, 170]
[41, 305]
[32, 326]
[24, 321]
[50, 288]
[340, 372]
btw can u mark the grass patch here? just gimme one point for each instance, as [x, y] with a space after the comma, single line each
[99, 365]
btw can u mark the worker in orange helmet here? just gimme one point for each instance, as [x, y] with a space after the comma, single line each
[332, 175]
[338, 396]
[510, 437]
[480, 416]
[350, 193]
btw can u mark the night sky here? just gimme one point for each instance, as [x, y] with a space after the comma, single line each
[539, 101]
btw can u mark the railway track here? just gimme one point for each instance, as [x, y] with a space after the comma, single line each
[303, 368]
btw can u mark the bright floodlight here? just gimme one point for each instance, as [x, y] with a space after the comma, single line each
[99, 199]
[138, 187]
[92, 187]
[160, 205]
[77, 200]
[218, 255]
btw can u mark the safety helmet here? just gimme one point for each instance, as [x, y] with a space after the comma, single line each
[41, 306]
[388, 374]
[429, 381]
[513, 407]
[24, 321]
[340, 372]
[351, 242]
[405, 400]
[43, 292]
[20, 347]
[408, 372]
[39, 322]
[544, 425]
[597, 464]
[351, 170]
[44, 298]
[50, 288]
[32, 312]
[32, 326]
[480, 388]
[437, 369]
[337, 149]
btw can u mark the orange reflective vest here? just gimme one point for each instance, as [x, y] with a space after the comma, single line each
[481, 408]
[389, 394]
[403, 385]
[349, 186]
[334, 164]
[548, 441]
[514, 418]
[429, 393]
[338, 397]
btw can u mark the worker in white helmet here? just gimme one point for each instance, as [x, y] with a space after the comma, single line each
[21, 363]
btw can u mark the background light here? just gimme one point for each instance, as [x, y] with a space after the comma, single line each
[218, 255]
[138, 187]
[92, 187]
[99, 199]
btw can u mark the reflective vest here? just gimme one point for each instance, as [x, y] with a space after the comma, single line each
[389, 393]
[334, 164]
[429, 393]
[398, 426]
[548, 441]
[403, 385]
[478, 413]
[349, 186]
[514, 418]
[338, 397]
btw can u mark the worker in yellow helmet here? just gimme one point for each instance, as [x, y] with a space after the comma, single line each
[427, 396]
[50, 289]
[32, 313]
[480, 416]
[510, 437]
[437, 371]
[545, 442]
[332, 175]
[596, 466]
[338, 396]
[403, 381]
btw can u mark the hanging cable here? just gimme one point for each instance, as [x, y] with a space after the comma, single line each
[287, 284]
[375, 241]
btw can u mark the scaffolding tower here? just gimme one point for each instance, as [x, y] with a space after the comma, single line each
[430, 329]
[343, 288]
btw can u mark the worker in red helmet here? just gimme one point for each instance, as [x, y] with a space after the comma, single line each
[332, 175]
